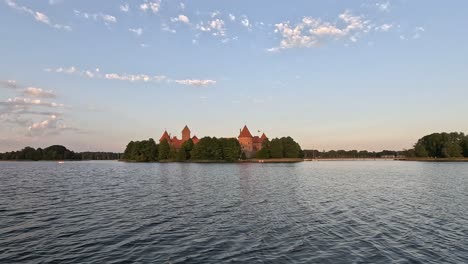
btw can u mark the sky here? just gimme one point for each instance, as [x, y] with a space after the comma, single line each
[93, 75]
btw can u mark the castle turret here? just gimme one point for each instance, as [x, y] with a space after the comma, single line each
[185, 134]
[246, 140]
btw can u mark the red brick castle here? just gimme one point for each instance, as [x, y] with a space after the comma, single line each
[249, 144]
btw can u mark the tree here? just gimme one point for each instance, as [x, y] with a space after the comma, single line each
[164, 150]
[231, 149]
[264, 153]
[207, 149]
[276, 149]
[420, 151]
[184, 152]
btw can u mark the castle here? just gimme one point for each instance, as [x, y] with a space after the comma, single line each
[249, 144]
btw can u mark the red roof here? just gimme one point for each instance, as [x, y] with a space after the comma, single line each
[185, 129]
[263, 137]
[245, 133]
[195, 139]
[165, 136]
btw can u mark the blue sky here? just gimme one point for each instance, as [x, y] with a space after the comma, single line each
[93, 75]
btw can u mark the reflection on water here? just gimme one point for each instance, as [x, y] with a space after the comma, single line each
[315, 212]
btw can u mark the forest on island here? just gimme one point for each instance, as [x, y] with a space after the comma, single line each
[436, 145]
[56, 152]
[208, 149]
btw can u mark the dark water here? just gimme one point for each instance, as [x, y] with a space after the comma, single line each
[315, 212]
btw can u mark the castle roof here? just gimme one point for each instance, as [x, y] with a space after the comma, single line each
[195, 139]
[165, 136]
[263, 137]
[186, 129]
[245, 133]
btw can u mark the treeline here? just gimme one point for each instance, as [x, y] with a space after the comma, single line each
[56, 152]
[278, 148]
[208, 149]
[442, 145]
[353, 154]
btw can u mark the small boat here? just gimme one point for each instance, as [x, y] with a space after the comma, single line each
[61, 162]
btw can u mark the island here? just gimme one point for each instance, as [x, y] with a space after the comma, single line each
[244, 148]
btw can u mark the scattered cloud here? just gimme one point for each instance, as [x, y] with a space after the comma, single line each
[134, 77]
[151, 6]
[10, 84]
[137, 31]
[196, 82]
[215, 14]
[165, 27]
[52, 125]
[417, 32]
[232, 17]
[216, 27]
[245, 22]
[182, 6]
[129, 77]
[312, 32]
[38, 16]
[384, 27]
[18, 102]
[124, 8]
[38, 92]
[181, 18]
[54, 2]
[384, 6]
[107, 19]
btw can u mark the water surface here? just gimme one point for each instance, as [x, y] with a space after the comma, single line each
[312, 212]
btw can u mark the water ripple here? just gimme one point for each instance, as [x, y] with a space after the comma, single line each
[336, 212]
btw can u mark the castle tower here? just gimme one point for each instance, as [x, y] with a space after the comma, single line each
[185, 134]
[165, 136]
[246, 140]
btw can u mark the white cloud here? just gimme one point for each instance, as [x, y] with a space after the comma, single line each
[129, 77]
[232, 17]
[312, 32]
[193, 82]
[19, 101]
[216, 27]
[38, 92]
[54, 2]
[134, 77]
[215, 14]
[165, 27]
[384, 27]
[182, 6]
[245, 22]
[417, 32]
[151, 6]
[384, 6]
[38, 16]
[11, 84]
[107, 19]
[181, 18]
[52, 125]
[137, 31]
[125, 8]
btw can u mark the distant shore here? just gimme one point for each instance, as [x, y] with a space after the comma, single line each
[284, 160]
[434, 159]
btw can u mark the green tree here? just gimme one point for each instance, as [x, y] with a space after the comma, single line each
[264, 153]
[420, 151]
[207, 149]
[276, 149]
[164, 150]
[231, 149]
[184, 152]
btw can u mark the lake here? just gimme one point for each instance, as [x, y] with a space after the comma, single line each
[310, 212]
